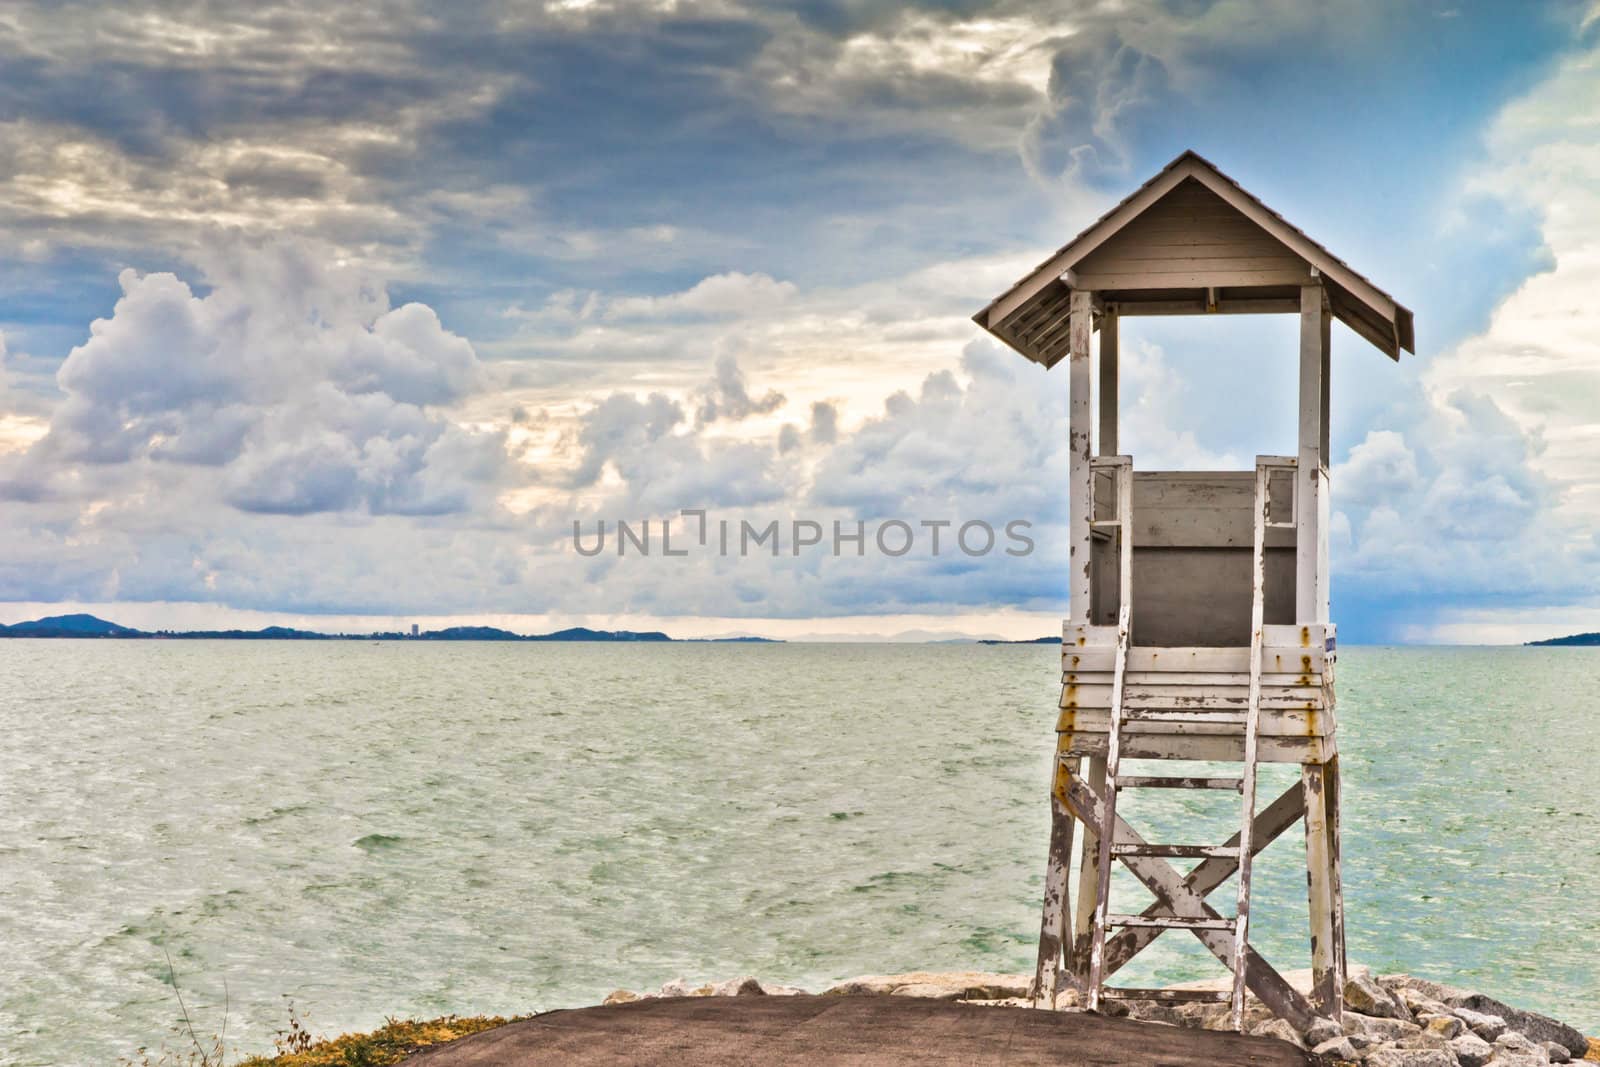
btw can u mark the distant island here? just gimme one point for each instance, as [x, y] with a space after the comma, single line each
[1572, 640]
[91, 626]
[1024, 641]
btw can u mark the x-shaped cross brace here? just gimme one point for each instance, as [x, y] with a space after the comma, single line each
[1184, 895]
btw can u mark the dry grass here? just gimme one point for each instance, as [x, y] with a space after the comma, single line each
[390, 1044]
[1594, 1050]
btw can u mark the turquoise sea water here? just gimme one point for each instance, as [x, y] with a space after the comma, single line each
[405, 829]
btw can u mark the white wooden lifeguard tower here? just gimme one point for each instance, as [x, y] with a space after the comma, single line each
[1199, 624]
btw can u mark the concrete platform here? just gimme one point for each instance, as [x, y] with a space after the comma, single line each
[856, 1030]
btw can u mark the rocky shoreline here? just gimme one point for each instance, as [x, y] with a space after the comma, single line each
[1393, 1020]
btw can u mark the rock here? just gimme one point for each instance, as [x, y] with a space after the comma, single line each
[1445, 1026]
[1363, 994]
[739, 987]
[1340, 1049]
[1445, 994]
[782, 990]
[930, 991]
[1066, 1000]
[1153, 1011]
[1536, 1026]
[1420, 1003]
[1008, 1002]
[1409, 1057]
[1381, 1029]
[1487, 1027]
[1423, 1040]
[620, 996]
[1323, 1030]
[967, 985]
[1557, 1052]
[680, 987]
[1278, 1028]
[1516, 1050]
[1471, 1050]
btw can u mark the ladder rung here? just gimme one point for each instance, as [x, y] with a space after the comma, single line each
[1175, 851]
[1172, 996]
[1171, 782]
[1172, 922]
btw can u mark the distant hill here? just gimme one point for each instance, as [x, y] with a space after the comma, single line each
[471, 633]
[90, 626]
[1573, 640]
[1025, 641]
[67, 626]
[583, 633]
[268, 633]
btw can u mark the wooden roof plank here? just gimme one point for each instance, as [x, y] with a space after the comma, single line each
[1166, 205]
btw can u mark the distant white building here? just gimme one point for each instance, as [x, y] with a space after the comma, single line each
[413, 629]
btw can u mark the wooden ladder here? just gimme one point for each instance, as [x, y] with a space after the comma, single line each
[1116, 781]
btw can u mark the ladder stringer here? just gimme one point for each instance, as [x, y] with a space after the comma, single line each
[1106, 827]
[1258, 574]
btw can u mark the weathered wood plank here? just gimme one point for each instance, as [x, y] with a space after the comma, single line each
[1319, 891]
[1192, 697]
[1139, 723]
[1207, 747]
[1057, 877]
[1308, 582]
[1128, 279]
[1340, 964]
[1108, 382]
[1179, 243]
[1192, 679]
[1192, 262]
[1088, 882]
[1080, 448]
[1297, 636]
[1105, 825]
[1277, 659]
[1252, 739]
[1197, 305]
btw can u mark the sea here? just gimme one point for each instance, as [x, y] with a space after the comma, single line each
[373, 829]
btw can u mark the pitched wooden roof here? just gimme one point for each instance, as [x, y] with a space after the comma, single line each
[1190, 240]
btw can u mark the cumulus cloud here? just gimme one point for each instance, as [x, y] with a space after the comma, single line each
[734, 293]
[1540, 355]
[1489, 492]
[294, 379]
[728, 398]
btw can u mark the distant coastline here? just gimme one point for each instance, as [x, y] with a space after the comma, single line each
[1572, 640]
[90, 626]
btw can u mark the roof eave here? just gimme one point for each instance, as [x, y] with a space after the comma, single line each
[1397, 337]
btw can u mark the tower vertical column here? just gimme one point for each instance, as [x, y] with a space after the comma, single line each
[1080, 446]
[1108, 381]
[1311, 532]
[1056, 937]
[1319, 781]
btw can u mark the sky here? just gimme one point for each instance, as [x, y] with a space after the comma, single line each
[344, 315]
